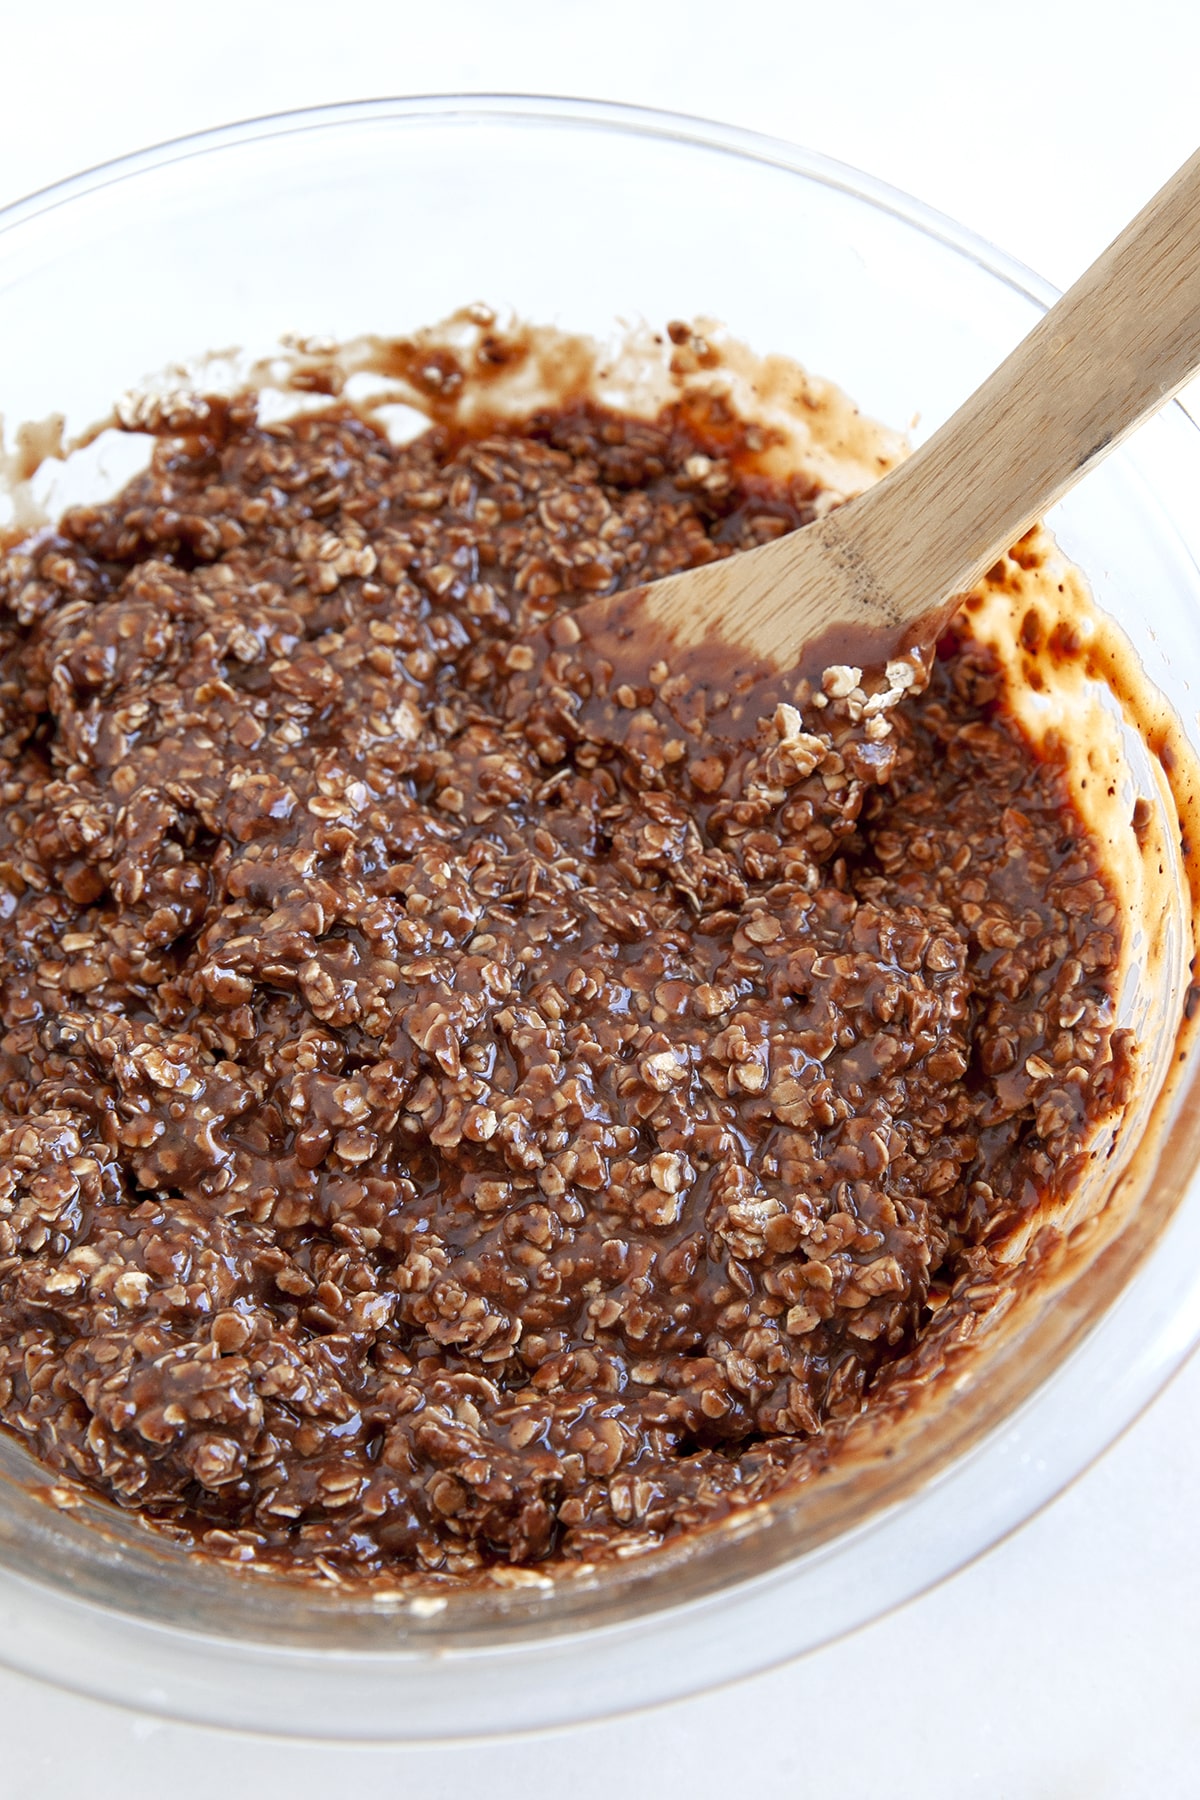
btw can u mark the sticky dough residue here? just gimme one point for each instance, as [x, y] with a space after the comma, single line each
[1076, 688]
[465, 370]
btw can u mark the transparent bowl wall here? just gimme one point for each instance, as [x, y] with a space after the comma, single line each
[381, 218]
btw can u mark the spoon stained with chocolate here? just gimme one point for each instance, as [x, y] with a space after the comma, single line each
[885, 572]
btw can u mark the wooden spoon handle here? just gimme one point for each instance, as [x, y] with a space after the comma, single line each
[1117, 345]
[883, 570]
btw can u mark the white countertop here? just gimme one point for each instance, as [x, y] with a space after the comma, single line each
[1064, 1664]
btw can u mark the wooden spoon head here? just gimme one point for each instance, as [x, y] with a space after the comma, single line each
[799, 606]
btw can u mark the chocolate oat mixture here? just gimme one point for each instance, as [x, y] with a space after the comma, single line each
[459, 1106]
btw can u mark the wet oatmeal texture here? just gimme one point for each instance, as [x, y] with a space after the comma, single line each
[460, 1106]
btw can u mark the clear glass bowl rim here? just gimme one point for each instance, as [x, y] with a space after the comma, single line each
[643, 121]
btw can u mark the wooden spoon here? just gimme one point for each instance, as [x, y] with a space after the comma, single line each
[885, 572]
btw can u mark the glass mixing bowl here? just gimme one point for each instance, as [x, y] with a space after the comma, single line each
[385, 216]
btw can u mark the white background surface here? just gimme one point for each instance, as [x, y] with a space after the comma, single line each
[1065, 1664]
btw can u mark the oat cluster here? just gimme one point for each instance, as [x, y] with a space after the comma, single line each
[460, 1104]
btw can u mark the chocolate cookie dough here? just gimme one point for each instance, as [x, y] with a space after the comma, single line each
[461, 1103]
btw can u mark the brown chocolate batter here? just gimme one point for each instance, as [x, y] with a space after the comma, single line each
[460, 1103]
